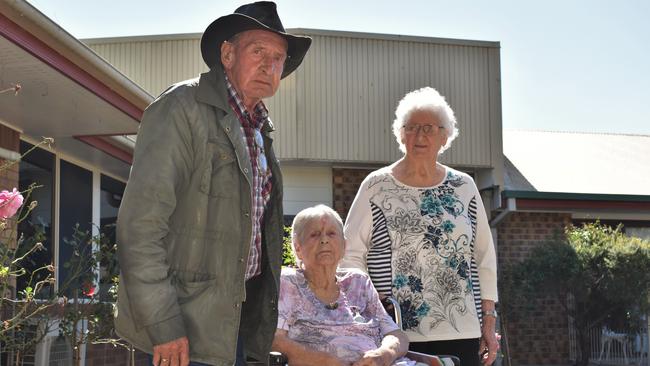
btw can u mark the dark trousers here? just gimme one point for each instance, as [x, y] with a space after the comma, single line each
[465, 349]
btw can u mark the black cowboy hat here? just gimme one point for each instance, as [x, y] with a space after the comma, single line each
[259, 15]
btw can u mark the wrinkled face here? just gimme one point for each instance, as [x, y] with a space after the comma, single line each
[321, 243]
[423, 135]
[254, 63]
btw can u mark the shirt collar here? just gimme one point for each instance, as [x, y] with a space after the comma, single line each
[260, 112]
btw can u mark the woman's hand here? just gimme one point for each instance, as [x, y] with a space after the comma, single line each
[375, 357]
[489, 345]
[393, 346]
[300, 355]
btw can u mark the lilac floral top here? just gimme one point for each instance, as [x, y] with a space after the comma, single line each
[357, 325]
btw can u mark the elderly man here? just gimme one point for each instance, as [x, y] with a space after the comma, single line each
[200, 227]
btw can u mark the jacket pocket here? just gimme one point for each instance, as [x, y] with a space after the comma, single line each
[220, 174]
[210, 317]
[189, 290]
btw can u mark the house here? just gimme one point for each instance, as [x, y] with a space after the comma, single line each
[57, 87]
[333, 118]
[554, 179]
[333, 115]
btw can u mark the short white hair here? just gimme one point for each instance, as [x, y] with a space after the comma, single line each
[425, 99]
[306, 216]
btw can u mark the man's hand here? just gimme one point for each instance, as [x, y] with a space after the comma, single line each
[174, 353]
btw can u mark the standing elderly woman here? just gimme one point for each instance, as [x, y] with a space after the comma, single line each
[330, 317]
[419, 228]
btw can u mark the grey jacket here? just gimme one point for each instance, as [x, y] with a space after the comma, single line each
[184, 230]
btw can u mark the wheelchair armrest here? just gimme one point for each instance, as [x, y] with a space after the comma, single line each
[390, 303]
[430, 360]
[277, 359]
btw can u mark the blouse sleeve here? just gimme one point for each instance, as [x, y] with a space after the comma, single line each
[484, 253]
[287, 303]
[357, 230]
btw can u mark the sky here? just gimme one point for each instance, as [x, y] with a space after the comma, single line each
[566, 65]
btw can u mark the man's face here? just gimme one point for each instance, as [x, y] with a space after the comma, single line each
[254, 62]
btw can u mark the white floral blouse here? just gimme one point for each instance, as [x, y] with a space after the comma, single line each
[431, 248]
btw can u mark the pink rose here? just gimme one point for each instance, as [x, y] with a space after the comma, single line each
[89, 289]
[10, 202]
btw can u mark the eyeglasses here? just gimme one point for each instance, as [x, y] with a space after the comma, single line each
[414, 129]
[262, 164]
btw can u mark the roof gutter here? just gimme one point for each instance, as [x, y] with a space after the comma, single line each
[575, 196]
[115, 146]
[511, 206]
[42, 27]
[573, 202]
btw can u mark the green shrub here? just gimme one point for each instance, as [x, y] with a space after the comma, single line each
[288, 259]
[606, 273]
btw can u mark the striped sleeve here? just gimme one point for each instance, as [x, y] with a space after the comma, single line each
[379, 255]
[484, 252]
[476, 284]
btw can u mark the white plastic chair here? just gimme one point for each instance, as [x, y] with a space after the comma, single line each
[607, 338]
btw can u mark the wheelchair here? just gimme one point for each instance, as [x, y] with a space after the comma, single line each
[390, 303]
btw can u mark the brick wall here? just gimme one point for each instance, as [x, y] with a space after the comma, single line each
[108, 355]
[9, 181]
[9, 140]
[346, 184]
[539, 336]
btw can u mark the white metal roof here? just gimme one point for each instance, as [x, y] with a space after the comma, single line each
[575, 162]
[339, 105]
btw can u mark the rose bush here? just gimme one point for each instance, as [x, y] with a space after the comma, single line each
[31, 302]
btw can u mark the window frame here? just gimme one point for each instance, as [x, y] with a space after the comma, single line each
[56, 204]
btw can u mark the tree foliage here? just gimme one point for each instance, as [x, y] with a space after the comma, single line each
[603, 271]
[288, 258]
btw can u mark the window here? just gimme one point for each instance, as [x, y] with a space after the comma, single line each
[86, 201]
[110, 199]
[75, 216]
[37, 167]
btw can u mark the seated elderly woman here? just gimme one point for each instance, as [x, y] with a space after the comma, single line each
[330, 317]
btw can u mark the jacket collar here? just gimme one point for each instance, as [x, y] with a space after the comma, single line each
[212, 89]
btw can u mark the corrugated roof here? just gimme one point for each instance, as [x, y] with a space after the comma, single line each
[577, 162]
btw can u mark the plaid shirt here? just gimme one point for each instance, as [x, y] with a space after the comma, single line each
[261, 185]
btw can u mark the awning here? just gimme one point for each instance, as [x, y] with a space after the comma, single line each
[66, 91]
